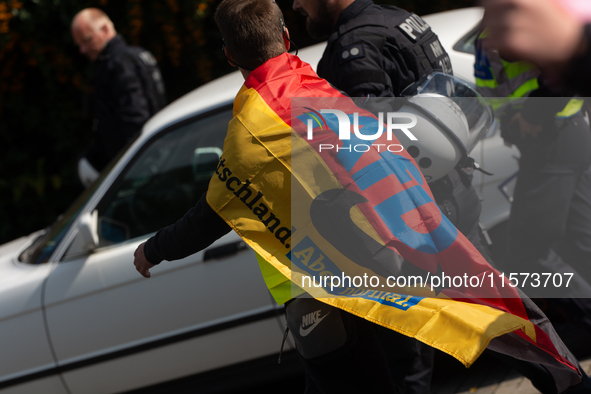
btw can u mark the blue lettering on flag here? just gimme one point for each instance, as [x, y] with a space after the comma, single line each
[392, 209]
[385, 167]
[309, 259]
[405, 201]
[347, 154]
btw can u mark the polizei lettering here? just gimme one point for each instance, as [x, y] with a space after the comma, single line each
[251, 200]
[414, 25]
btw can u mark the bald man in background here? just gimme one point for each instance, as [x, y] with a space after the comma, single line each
[128, 89]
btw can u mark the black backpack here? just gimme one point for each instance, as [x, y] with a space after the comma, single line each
[150, 76]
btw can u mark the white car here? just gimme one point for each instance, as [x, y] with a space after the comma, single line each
[76, 317]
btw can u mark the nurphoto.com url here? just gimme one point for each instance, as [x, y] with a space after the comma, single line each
[441, 280]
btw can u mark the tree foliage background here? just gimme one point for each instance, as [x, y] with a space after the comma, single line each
[45, 86]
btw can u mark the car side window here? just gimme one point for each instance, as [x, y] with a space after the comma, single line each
[466, 43]
[165, 179]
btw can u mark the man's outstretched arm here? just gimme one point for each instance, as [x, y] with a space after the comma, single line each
[199, 228]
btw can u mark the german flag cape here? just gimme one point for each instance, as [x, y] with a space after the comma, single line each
[316, 213]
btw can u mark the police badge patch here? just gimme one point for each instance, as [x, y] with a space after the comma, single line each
[354, 51]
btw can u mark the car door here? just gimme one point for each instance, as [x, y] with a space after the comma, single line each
[113, 330]
[27, 364]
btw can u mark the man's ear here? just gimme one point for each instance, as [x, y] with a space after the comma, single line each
[229, 57]
[286, 38]
[104, 29]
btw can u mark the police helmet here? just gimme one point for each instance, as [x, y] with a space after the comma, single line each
[451, 118]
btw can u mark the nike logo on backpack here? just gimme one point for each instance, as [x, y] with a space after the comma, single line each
[311, 320]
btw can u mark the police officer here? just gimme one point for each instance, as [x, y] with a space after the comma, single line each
[128, 89]
[550, 222]
[378, 51]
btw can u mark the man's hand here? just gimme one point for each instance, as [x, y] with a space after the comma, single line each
[527, 129]
[142, 265]
[539, 31]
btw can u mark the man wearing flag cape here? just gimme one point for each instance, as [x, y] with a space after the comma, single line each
[313, 215]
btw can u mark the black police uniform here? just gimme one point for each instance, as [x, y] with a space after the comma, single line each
[128, 90]
[378, 51]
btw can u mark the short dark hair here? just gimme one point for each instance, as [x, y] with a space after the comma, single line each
[252, 30]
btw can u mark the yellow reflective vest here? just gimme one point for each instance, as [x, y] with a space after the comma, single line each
[504, 81]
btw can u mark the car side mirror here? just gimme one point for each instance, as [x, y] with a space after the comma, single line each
[86, 238]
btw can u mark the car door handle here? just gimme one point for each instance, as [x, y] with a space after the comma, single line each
[224, 250]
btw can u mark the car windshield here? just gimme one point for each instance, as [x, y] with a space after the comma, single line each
[44, 245]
